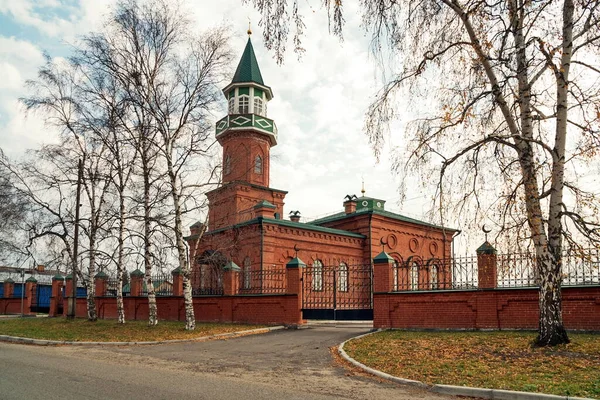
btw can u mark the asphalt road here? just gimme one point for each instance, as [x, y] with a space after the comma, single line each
[290, 364]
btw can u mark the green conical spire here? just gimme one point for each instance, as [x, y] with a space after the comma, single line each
[248, 70]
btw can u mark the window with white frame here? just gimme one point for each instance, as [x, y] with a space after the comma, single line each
[414, 276]
[317, 275]
[231, 105]
[343, 277]
[258, 106]
[433, 277]
[395, 275]
[243, 104]
[258, 165]
[247, 272]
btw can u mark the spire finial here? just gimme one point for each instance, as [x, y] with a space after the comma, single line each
[249, 27]
[363, 187]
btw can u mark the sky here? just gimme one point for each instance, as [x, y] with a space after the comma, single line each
[319, 101]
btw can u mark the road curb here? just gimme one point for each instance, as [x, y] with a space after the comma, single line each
[484, 393]
[41, 342]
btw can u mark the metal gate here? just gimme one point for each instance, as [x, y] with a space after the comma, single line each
[340, 292]
[40, 298]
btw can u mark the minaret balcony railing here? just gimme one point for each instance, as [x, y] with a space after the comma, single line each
[245, 121]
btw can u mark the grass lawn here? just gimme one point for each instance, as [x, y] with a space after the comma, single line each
[497, 360]
[82, 330]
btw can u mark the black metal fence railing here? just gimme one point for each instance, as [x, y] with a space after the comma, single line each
[266, 281]
[435, 274]
[161, 283]
[579, 267]
[516, 270]
[112, 287]
[207, 281]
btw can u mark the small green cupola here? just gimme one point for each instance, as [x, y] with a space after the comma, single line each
[247, 98]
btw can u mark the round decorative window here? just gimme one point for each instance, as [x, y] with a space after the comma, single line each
[378, 204]
[413, 245]
[365, 203]
[433, 248]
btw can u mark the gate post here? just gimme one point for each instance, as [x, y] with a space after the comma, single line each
[100, 284]
[136, 281]
[293, 275]
[9, 288]
[382, 284]
[30, 288]
[177, 282]
[231, 275]
[56, 297]
[382, 273]
[487, 270]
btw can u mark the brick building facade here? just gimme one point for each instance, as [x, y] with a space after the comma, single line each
[245, 219]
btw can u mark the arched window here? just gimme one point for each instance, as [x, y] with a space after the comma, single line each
[343, 278]
[258, 106]
[231, 105]
[395, 275]
[433, 276]
[258, 165]
[414, 275]
[247, 272]
[317, 275]
[243, 104]
[227, 169]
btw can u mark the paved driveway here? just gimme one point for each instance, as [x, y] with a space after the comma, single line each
[299, 360]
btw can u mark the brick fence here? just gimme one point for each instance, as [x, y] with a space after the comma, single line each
[481, 305]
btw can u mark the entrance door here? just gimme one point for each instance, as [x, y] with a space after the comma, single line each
[339, 292]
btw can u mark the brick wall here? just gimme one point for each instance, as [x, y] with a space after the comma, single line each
[483, 309]
[253, 309]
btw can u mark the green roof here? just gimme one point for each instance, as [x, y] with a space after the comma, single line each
[486, 248]
[248, 70]
[342, 215]
[291, 224]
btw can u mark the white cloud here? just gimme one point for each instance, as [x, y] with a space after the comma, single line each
[319, 101]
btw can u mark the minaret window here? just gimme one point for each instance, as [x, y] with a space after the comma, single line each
[258, 165]
[227, 165]
[244, 105]
[258, 106]
[231, 105]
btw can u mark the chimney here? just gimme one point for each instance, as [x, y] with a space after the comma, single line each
[350, 204]
[295, 216]
[40, 268]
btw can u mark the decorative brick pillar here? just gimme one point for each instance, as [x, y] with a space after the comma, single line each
[9, 288]
[231, 278]
[30, 289]
[100, 284]
[264, 209]
[57, 296]
[487, 271]
[294, 270]
[382, 273]
[177, 275]
[136, 283]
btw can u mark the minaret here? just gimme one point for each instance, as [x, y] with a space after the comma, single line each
[247, 136]
[246, 133]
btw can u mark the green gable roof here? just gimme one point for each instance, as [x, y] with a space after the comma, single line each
[248, 70]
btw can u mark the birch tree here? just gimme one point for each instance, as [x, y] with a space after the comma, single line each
[169, 80]
[511, 119]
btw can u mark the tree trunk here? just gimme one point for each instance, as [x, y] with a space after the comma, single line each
[190, 319]
[551, 330]
[152, 311]
[120, 268]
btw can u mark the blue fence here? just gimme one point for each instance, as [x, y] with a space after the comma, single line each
[81, 292]
[18, 291]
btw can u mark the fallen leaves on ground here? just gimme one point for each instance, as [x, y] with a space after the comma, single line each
[500, 360]
[81, 330]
